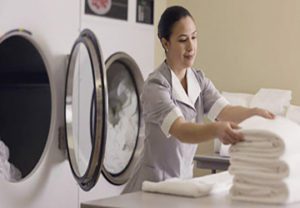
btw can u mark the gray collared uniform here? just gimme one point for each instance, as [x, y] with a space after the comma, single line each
[163, 101]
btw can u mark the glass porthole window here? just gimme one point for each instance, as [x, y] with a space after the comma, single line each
[25, 106]
[86, 87]
[125, 82]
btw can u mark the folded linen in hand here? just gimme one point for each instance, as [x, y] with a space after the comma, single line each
[268, 138]
[258, 144]
[270, 191]
[266, 169]
[196, 187]
[241, 99]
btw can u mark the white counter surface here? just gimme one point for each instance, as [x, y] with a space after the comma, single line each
[151, 200]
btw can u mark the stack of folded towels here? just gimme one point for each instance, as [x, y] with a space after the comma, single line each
[266, 165]
[276, 101]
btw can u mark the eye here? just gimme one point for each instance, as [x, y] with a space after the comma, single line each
[194, 37]
[182, 40]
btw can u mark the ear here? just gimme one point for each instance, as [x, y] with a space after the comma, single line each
[165, 44]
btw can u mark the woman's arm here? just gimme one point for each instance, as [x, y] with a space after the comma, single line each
[189, 132]
[238, 113]
[223, 128]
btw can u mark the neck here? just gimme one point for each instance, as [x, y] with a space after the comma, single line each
[179, 72]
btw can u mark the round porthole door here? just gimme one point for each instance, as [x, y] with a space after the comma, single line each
[124, 84]
[85, 109]
[26, 105]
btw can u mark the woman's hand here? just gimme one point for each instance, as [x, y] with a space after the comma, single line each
[263, 113]
[226, 134]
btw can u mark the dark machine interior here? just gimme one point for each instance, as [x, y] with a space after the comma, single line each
[25, 102]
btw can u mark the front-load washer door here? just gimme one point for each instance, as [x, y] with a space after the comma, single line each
[124, 126]
[26, 106]
[85, 109]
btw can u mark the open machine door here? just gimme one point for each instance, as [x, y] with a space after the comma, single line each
[86, 108]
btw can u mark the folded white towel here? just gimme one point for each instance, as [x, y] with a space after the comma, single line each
[258, 143]
[178, 187]
[266, 169]
[267, 138]
[274, 100]
[195, 187]
[221, 182]
[282, 191]
[242, 99]
[293, 113]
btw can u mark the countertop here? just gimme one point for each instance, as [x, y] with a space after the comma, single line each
[152, 200]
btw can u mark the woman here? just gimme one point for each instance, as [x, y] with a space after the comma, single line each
[175, 100]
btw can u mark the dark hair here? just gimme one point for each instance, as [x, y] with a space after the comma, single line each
[169, 17]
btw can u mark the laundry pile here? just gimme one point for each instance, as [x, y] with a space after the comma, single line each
[195, 187]
[7, 170]
[265, 165]
[122, 128]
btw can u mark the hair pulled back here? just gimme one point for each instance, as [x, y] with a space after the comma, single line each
[167, 20]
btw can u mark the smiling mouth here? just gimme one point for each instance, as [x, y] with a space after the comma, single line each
[188, 56]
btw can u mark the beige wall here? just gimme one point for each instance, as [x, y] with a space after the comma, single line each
[245, 45]
[160, 6]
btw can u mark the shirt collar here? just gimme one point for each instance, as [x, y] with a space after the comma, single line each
[192, 85]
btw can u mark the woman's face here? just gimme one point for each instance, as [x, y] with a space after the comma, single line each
[182, 44]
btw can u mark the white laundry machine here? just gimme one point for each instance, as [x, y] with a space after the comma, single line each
[128, 51]
[33, 72]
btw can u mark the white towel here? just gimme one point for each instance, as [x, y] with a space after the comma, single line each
[195, 187]
[266, 169]
[282, 191]
[224, 150]
[267, 138]
[179, 187]
[274, 100]
[221, 182]
[242, 99]
[293, 113]
[266, 164]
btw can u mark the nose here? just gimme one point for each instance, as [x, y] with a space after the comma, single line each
[190, 45]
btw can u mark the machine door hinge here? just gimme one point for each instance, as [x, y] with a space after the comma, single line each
[62, 138]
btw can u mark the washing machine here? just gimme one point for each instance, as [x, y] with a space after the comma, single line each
[128, 50]
[62, 102]
[33, 67]
[103, 118]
